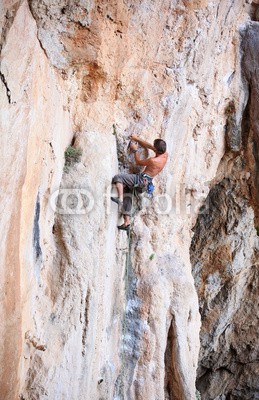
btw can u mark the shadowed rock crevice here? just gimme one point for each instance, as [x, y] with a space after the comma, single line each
[85, 320]
[36, 230]
[8, 92]
[254, 10]
[250, 67]
[61, 260]
[173, 389]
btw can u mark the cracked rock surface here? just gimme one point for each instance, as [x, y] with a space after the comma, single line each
[224, 255]
[86, 312]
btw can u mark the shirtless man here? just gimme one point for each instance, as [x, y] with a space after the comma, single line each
[125, 182]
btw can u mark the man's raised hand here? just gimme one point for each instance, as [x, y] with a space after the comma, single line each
[133, 146]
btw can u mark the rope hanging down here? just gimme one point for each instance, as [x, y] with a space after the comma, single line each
[124, 322]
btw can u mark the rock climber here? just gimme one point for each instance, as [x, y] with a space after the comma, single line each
[125, 183]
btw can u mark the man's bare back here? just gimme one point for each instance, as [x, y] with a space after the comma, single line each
[154, 165]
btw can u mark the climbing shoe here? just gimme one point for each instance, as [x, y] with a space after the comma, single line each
[119, 202]
[124, 227]
[116, 200]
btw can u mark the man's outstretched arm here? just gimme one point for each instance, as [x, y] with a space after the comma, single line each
[142, 143]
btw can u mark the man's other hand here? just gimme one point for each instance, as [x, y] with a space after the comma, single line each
[133, 146]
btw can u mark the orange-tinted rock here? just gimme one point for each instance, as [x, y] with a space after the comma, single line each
[89, 74]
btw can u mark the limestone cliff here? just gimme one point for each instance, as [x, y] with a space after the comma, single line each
[88, 313]
[224, 254]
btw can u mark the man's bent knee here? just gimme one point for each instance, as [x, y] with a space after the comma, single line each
[117, 179]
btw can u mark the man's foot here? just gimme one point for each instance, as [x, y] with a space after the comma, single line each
[124, 227]
[119, 202]
[116, 200]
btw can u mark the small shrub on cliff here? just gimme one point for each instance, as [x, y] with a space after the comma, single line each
[72, 156]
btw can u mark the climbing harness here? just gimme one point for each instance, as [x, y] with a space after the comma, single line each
[148, 181]
[150, 185]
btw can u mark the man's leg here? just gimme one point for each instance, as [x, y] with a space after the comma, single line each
[119, 187]
[127, 205]
[122, 182]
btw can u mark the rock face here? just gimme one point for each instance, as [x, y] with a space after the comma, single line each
[224, 255]
[89, 313]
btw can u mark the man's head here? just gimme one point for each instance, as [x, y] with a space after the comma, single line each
[160, 146]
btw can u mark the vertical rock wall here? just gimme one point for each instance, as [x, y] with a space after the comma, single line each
[35, 130]
[224, 255]
[79, 324]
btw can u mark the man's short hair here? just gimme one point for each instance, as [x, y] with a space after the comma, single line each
[160, 146]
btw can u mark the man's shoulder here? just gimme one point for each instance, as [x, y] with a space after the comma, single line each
[165, 159]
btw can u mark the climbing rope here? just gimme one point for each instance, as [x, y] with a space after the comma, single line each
[124, 322]
[136, 197]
